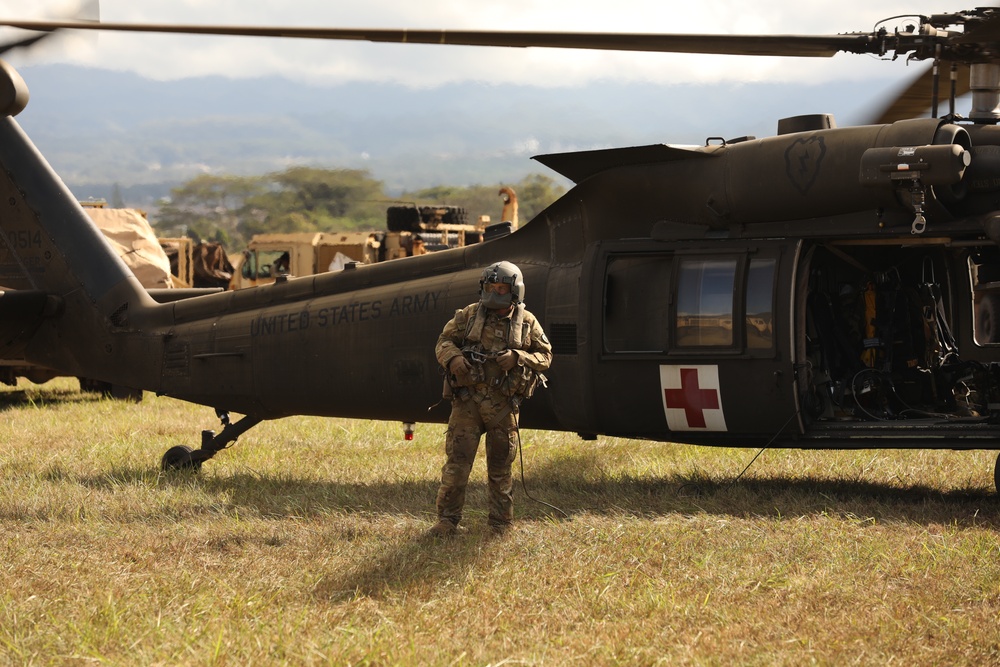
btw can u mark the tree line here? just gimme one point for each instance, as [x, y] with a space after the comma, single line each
[231, 209]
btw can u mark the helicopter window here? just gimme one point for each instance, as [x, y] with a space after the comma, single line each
[705, 302]
[636, 290]
[760, 299]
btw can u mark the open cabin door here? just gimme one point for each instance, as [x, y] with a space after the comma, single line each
[898, 341]
[693, 340]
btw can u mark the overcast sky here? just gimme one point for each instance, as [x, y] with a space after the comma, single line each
[599, 111]
[171, 57]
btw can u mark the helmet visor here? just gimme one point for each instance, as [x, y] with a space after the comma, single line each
[500, 289]
[496, 295]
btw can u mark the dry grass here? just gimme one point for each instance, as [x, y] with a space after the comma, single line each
[303, 545]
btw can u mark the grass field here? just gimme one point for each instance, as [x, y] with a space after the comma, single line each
[303, 544]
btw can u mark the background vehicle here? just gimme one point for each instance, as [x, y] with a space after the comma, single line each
[410, 230]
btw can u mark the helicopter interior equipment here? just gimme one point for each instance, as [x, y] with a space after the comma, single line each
[822, 288]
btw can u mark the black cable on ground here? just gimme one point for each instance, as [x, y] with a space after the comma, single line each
[520, 453]
[769, 442]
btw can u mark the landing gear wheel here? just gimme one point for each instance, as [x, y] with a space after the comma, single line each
[179, 458]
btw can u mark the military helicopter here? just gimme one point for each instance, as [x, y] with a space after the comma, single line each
[822, 288]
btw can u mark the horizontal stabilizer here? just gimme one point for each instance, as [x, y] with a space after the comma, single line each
[581, 165]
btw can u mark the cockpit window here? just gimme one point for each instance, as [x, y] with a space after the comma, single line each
[637, 290]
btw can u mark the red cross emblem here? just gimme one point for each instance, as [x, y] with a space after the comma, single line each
[691, 398]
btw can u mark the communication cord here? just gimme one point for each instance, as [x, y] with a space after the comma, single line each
[769, 442]
[520, 453]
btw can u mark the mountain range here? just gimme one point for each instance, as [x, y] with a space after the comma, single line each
[106, 131]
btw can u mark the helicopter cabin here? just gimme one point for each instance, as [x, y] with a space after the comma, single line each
[813, 343]
[895, 332]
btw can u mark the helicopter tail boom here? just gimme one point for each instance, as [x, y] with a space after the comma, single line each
[50, 248]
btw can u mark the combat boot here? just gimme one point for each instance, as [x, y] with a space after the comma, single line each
[443, 528]
[499, 528]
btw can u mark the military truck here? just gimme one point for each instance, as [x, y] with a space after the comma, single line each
[411, 230]
[439, 227]
[301, 254]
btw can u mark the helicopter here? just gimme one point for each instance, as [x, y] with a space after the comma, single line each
[822, 288]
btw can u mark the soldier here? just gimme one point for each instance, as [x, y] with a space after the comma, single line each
[494, 352]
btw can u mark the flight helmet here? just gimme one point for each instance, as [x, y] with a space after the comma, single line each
[506, 273]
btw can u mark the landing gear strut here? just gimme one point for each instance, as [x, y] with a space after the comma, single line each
[183, 457]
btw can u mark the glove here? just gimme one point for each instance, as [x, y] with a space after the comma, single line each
[459, 366]
[507, 360]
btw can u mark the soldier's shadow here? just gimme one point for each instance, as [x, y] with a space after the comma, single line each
[415, 562]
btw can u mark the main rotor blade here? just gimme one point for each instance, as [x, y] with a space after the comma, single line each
[23, 43]
[810, 46]
[914, 100]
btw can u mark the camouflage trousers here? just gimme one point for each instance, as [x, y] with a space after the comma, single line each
[469, 417]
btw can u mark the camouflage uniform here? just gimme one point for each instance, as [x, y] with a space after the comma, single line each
[485, 403]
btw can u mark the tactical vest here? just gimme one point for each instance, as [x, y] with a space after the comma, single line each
[515, 334]
[520, 381]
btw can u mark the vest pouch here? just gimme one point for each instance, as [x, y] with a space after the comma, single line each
[521, 381]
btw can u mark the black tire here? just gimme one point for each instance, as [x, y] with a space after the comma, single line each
[179, 458]
[429, 216]
[402, 219]
[432, 216]
[455, 216]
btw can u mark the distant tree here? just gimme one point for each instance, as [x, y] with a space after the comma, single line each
[208, 208]
[307, 199]
[534, 193]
